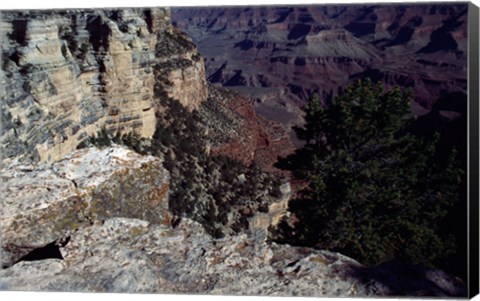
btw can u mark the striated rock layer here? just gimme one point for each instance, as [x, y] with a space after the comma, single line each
[105, 227]
[278, 56]
[68, 74]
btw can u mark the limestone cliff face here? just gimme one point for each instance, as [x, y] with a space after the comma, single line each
[68, 74]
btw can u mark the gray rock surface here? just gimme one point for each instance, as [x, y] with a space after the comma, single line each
[45, 203]
[120, 243]
[131, 255]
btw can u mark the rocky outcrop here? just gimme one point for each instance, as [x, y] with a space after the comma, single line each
[100, 223]
[134, 256]
[68, 74]
[45, 204]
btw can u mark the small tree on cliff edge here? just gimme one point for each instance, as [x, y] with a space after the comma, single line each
[374, 191]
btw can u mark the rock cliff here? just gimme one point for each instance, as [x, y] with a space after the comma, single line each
[68, 74]
[239, 132]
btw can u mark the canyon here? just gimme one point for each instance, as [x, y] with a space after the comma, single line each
[125, 170]
[277, 56]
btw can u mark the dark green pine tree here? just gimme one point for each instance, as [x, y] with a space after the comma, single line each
[374, 191]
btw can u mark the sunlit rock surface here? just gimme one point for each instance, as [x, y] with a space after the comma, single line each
[68, 74]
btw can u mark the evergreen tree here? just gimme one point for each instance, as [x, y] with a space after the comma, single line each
[373, 191]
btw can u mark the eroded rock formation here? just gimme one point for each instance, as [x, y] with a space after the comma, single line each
[239, 132]
[43, 204]
[278, 56]
[66, 75]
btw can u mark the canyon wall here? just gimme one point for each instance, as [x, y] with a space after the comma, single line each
[66, 75]
[277, 56]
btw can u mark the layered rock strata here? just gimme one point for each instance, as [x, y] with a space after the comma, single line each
[278, 56]
[68, 74]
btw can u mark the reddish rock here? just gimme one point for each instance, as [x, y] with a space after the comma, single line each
[260, 141]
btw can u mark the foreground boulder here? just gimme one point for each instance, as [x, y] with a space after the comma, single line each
[45, 204]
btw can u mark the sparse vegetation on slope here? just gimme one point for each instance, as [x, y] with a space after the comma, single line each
[219, 192]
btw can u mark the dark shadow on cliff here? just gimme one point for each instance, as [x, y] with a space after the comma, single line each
[403, 279]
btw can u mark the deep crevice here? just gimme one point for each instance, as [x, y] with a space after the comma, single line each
[19, 33]
[148, 19]
[51, 250]
[99, 33]
[299, 31]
